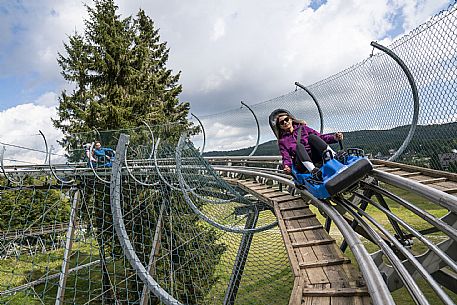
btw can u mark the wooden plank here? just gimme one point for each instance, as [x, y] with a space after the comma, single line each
[317, 276]
[335, 292]
[423, 170]
[295, 297]
[305, 229]
[313, 243]
[431, 181]
[298, 207]
[299, 217]
[410, 174]
[269, 191]
[287, 242]
[285, 198]
[317, 300]
[260, 187]
[322, 263]
[278, 195]
[391, 169]
[451, 191]
[447, 184]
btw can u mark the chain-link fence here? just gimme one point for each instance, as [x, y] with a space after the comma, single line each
[372, 102]
[44, 259]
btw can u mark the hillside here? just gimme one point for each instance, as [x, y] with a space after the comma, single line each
[426, 141]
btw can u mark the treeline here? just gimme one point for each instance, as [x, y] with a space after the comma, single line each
[428, 142]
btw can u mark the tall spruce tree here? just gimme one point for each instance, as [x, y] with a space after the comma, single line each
[118, 68]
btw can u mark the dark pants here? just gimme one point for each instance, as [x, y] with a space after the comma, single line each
[318, 146]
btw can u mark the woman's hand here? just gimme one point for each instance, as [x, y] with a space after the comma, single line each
[287, 169]
[339, 136]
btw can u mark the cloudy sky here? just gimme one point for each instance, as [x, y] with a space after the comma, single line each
[228, 51]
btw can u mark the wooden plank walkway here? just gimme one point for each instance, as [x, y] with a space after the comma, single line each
[323, 275]
[440, 180]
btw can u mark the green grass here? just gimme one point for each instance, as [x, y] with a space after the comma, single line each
[16, 271]
[267, 277]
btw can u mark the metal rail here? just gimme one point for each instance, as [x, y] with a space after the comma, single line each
[376, 286]
[413, 231]
[118, 222]
[196, 210]
[446, 201]
[397, 264]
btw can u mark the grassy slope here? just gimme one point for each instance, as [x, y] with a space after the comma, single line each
[267, 278]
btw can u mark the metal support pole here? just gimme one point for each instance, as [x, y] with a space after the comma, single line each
[321, 116]
[66, 255]
[367, 193]
[258, 128]
[240, 260]
[412, 83]
[154, 251]
[398, 230]
[328, 224]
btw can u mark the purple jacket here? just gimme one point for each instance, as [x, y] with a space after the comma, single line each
[288, 143]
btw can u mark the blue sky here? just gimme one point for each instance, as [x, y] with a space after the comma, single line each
[225, 54]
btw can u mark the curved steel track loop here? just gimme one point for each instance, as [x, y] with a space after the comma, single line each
[118, 222]
[203, 131]
[258, 127]
[216, 201]
[158, 171]
[402, 272]
[227, 186]
[436, 222]
[151, 154]
[91, 165]
[321, 116]
[377, 287]
[48, 153]
[413, 86]
[3, 167]
[53, 172]
[197, 211]
[449, 261]
[130, 171]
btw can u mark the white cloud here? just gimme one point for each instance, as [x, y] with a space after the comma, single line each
[274, 43]
[19, 133]
[48, 99]
[227, 51]
[417, 12]
[219, 29]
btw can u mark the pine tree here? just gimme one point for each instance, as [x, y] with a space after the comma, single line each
[119, 70]
[118, 67]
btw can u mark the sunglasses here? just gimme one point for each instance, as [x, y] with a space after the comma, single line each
[286, 120]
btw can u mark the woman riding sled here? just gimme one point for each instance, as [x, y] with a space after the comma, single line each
[315, 145]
